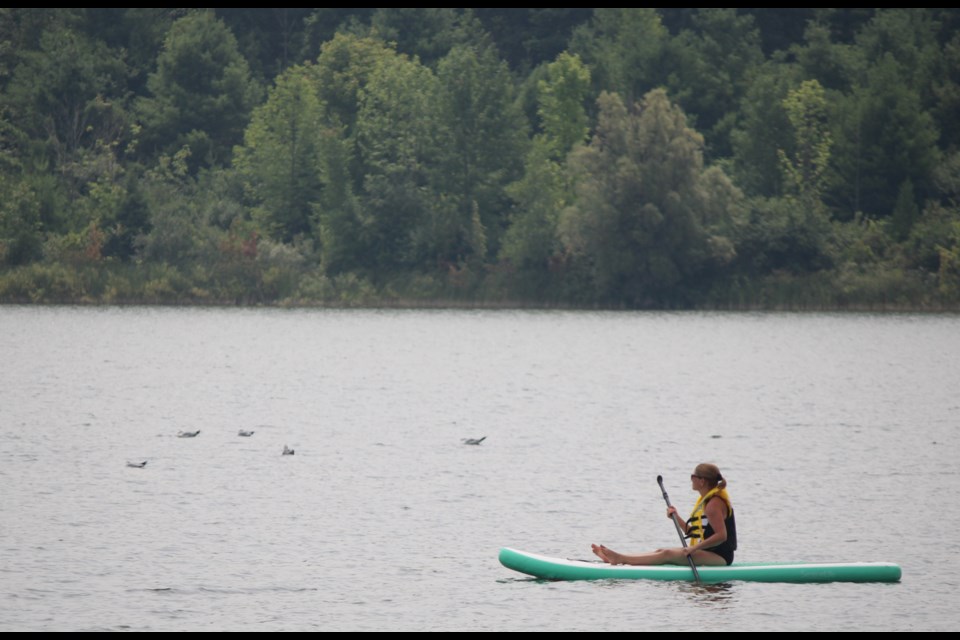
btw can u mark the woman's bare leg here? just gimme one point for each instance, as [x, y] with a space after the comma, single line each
[660, 556]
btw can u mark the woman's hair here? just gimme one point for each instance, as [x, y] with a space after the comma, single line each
[711, 473]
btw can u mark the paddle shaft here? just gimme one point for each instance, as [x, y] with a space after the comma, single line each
[676, 523]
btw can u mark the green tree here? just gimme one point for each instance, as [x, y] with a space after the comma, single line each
[323, 25]
[528, 37]
[338, 213]
[138, 32]
[909, 36]
[199, 245]
[946, 179]
[805, 172]
[884, 130]
[68, 97]
[882, 136]
[946, 89]
[426, 33]
[531, 239]
[905, 212]
[780, 28]
[625, 50]
[201, 94]
[480, 134]
[640, 198]
[711, 66]
[763, 129]
[562, 94]
[933, 243]
[780, 234]
[794, 233]
[394, 143]
[271, 39]
[67, 103]
[374, 154]
[21, 231]
[178, 234]
[280, 155]
[343, 69]
[836, 66]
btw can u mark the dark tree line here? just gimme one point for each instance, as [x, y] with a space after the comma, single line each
[614, 157]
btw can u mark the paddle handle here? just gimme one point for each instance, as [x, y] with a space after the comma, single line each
[676, 523]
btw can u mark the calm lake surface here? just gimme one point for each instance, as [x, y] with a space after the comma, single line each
[838, 434]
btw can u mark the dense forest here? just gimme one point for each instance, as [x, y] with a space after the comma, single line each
[614, 158]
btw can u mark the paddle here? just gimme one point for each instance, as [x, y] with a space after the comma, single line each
[676, 522]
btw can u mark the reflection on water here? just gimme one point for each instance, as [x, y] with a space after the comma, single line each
[385, 520]
[720, 595]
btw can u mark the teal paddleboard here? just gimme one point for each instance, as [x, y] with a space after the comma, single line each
[549, 568]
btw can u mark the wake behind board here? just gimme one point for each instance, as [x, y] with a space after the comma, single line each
[548, 568]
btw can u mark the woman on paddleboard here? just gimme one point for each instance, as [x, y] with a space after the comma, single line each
[711, 528]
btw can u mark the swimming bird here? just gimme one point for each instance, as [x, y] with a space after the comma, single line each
[137, 465]
[188, 434]
[245, 434]
[287, 451]
[474, 440]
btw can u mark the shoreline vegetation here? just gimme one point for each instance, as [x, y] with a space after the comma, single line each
[610, 158]
[128, 285]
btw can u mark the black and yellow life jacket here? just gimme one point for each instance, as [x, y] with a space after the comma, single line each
[699, 525]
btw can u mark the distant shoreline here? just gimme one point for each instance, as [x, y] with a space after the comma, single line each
[879, 308]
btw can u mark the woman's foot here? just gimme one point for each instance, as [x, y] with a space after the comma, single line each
[607, 555]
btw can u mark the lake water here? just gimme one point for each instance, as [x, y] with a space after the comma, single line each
[838, 434]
